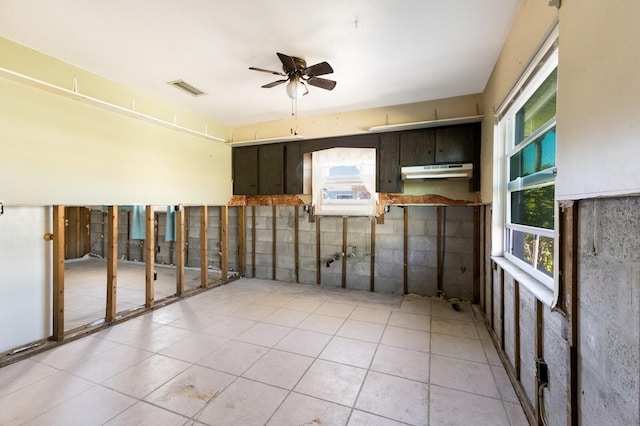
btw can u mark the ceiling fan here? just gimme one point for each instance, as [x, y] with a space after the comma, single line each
[297, 73]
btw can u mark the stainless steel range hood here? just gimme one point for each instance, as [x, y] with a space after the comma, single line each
[438, 171]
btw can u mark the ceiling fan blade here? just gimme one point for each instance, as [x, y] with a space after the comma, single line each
[319, 69]
[287, 62]
[273, 84]
[322, 83]
[264, 70]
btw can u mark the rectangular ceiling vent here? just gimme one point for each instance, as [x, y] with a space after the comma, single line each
[186, 87]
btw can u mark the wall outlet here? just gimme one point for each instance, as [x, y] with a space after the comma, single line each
[542, 371]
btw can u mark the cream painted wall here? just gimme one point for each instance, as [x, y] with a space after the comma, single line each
[598, 99]
[56, 150]
[355, 122]
[533, 22]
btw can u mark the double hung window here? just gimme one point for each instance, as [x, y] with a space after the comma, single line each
[529, 129]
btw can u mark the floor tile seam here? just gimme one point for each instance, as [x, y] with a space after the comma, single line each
[462, 359]
[197, 414]
[173, 376]
[467, 392]
[427, 382]
[93, 385]
[408, 328]
[381, 416]
[373, 357]
[125, 409]
[410, 349]
[456, 336]
[495, 380]
[21, 388]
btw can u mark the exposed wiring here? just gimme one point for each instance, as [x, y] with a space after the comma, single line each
[543, 414]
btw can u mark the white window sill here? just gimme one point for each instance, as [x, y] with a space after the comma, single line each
[539, 290]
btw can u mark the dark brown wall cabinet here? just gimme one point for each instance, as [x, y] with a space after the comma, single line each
[267, 169]
[271, 169]
[456, 144]
[245, 170]
[278, 168]
[388, 162]
[417, 147]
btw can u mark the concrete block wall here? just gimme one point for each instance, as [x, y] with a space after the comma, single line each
[458, 251]
[608, 321]
[98, 239]
[609, 310]
[192, 231]
[555, 346]
[389, 249]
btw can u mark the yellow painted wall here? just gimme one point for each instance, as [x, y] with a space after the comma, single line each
[356, 122]
[56, 150]
[533, 22]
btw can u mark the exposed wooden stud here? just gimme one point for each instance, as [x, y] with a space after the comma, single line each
[253, 241]
[516, 328]
[380, 219]
[274, 237]
[318, 260]
[179, 249]
[439, 274]
[539, 354]
[405, 250]
[502, 309]
[187, 236]
[58, 273]
[128, 244]
[373, 255]
[102, 232]
[568, 303]
[476, 255]
[242, 240]
[112, 264]
[155, 236]
[491, 312]
[483, 260]
[204, 246]
[149, 261]
[345, 230]
[296, 242]
[224, 242]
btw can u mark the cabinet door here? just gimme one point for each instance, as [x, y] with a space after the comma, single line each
[293, 168]
[245, 170]
[389, 163]
[456, 144]
[417, 147]
[271, 169]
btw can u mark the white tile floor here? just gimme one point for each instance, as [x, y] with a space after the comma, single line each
[257, 352]
[86, 287]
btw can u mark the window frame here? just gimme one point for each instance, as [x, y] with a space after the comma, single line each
[343, 207]
[507, 130]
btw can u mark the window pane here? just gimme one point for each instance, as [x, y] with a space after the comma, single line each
[533, 207]
[545, 255]
[523, 246]
[539, 109]
[540, 154]
[527, 246]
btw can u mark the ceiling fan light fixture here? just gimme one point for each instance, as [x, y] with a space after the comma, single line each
[295, 89]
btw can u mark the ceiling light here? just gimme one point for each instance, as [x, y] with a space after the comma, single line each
[295, 88]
